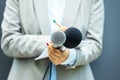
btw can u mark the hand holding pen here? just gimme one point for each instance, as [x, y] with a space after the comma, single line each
[55, 54]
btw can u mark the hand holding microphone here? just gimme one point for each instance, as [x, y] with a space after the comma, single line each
[67, 37]
[56, 55]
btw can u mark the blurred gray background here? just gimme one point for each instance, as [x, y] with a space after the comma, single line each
[107, 66]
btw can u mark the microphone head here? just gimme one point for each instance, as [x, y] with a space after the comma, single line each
[58, 38]
[73, 37]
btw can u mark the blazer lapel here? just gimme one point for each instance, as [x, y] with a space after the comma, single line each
[70, 12]
[41, 10]
[69, 16]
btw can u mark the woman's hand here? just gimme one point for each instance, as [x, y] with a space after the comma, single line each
[56, 55]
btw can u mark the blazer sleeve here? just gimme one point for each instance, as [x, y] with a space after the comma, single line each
[13, 42]
[91, 47]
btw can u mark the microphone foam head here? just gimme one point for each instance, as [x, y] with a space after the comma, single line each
[58, 38]
[73, 37]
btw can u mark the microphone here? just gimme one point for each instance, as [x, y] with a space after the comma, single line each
[73, 37]
[58, 38]
[69, 39]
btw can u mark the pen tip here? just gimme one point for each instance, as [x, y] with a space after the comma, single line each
[54, 21]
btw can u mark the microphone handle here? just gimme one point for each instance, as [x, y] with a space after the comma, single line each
[62, 48]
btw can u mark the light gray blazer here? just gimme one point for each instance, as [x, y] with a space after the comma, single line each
[25, 30]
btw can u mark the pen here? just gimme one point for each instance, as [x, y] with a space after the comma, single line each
[57, 23]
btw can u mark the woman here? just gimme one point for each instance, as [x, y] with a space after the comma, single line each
[27, 26]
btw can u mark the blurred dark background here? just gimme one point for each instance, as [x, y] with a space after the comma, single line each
[106, 67]
[5, 62]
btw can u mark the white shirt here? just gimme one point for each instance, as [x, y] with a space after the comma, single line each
[55, 12]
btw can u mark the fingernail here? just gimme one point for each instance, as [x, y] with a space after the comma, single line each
[47, 44]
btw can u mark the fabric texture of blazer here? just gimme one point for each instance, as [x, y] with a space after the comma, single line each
[25, 31]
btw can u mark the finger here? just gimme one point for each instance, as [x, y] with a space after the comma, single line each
[53, 60]
[51, 54]
[54, 56]
[55, 52]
